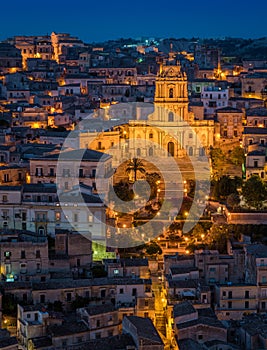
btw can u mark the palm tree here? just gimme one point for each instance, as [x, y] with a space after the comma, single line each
[135, 165]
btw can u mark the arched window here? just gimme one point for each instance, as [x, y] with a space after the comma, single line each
[41, 231]
[150, 151]
[171, 93]
[138, 152]
[151, 135]
[171, 149]
[201, 152]
[190, 151]
[170, 117]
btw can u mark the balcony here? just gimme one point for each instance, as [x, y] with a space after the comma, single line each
[234, 309]
[250, 297]
[40, 220]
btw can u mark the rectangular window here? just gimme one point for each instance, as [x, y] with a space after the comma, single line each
[23, 254]
[38, 254]
[81, 174]
[23, 268]
[39, 172]
[246, 294]
[121, 291]
[75, 217]
[246, 304]
[229, 305]
[6, 177]
[7, 255]
[58, 216]
[68, 296]
[230, 294]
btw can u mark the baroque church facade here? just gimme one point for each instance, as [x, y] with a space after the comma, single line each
[170, 130]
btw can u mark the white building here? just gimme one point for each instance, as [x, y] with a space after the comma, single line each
[213, 97]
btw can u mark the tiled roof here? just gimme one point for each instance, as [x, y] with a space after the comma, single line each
[6, 342]
[208, 321]
[145, 329]
[259, 250]
[41, 342]
[183, 308]
[255, 131]
[118, 342]
[77, 155]
[40, 188]
[100, 309]
[228, 110]
[67, 329]
[177, 270]
[259, 112]
[10, 188]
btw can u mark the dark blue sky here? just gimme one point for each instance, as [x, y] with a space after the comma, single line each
[96, 20]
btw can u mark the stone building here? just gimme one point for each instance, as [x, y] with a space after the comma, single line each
[233, 301]
[213, 98]
[257, 117]
[92, 168]
[255, 85]
[24, 257]
[200, 325]
[102, 320]
[231, 123]
[10, 58]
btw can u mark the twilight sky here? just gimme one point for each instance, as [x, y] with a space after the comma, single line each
[98, 20]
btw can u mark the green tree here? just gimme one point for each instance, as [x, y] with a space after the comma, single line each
[152, 179]
[254, 192]
[219, 237]
[237, 156]
[233, 200]
[134, 166]
[153, 249]
[217, 162]
[123, 191]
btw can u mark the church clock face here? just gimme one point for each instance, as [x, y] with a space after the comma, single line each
[171, 73]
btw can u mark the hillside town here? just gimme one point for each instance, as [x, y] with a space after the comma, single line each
[133, 195]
